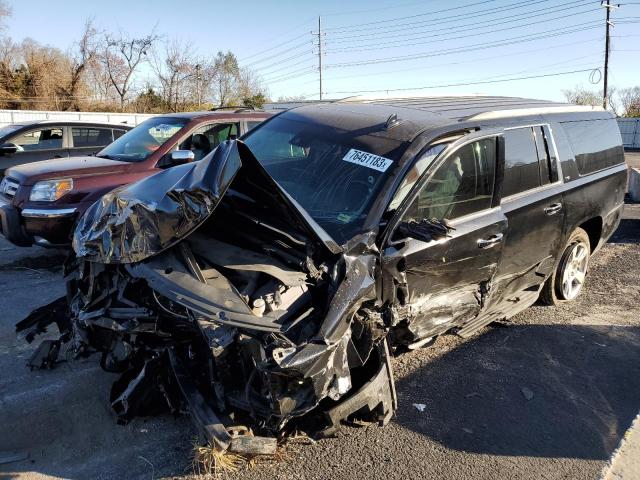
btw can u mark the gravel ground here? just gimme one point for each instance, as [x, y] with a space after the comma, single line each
[547, 395]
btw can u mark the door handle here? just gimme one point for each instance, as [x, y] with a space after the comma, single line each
[553, 209]
[492, 241]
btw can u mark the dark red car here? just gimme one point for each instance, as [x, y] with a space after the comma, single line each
[40, 201]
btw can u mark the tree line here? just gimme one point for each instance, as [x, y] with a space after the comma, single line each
[103, 71]
[624, 101]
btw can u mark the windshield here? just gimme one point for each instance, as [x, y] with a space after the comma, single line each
[7, 129]
[335, 175]
[137, 144]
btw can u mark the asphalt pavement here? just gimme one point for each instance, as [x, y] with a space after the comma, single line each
[548, 395]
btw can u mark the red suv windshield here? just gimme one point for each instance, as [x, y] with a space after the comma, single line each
[137, 144]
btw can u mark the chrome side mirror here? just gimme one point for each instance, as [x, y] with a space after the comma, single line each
[182, 156]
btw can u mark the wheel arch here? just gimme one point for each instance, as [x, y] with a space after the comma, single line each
[593, 227]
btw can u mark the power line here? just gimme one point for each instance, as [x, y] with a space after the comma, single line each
[282, 62]
[464, 62]
[486, 24]
[273, 47]
[395, 7]
[439, 21]
[305, 44]
[378, 22]
[464, 83]
[291, 76]
[286, 68]
[475, 47]
[448, 36]
[291, 72]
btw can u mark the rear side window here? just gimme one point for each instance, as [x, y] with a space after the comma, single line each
[521, 170]
[462, 185]
[596, 144]
[91, 137]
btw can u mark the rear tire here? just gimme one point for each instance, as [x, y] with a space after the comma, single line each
[567, 280]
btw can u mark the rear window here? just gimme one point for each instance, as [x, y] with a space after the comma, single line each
[596, 144]
[91, 137]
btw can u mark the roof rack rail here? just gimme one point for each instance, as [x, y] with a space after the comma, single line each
[237, 109]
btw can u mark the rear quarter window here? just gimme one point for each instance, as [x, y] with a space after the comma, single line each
[596, 144]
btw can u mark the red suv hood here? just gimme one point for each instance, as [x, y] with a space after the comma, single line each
[75, 167]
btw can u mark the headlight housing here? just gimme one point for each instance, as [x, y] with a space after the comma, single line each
[50, 190]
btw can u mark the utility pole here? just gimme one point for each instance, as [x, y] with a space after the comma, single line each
[605, 94]
[320, 52]
[198, 84]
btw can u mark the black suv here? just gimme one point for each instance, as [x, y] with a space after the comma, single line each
[267, 282]
[26, 142]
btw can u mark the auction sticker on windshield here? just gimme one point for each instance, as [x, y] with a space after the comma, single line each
[368, 160]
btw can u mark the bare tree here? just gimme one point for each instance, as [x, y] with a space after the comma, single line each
[86, 53]
[630, 101]
[225, 79]
[581, 96]
[174, 70]
[121, 57]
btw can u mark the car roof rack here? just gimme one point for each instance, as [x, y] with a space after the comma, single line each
[236, 109]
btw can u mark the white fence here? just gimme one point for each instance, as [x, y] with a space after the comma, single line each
[11, 116]
[630, 130]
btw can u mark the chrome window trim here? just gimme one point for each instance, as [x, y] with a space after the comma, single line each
[47, 213]
[474, 215]
[566, 186]
[531, 191]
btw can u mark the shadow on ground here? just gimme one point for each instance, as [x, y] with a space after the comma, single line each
[628, 231]
[538, 390]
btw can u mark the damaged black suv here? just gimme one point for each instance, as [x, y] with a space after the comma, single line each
[265, 286]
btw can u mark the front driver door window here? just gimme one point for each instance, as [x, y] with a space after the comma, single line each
[463, 184]
[445, 282]
[46, 139]
[206, 138]
[34, 145]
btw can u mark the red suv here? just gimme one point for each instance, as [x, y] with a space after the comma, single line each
[40, 201]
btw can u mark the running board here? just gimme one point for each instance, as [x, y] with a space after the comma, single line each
[474, 325]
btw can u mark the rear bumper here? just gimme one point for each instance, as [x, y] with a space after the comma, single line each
[21, 226]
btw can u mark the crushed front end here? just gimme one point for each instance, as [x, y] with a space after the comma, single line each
[249, 317]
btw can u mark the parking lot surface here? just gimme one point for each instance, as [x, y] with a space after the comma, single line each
[547, 395]
[633, 159]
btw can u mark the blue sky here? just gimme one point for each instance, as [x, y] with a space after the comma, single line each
[447, 42]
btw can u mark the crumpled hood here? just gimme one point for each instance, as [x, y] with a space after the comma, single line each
[137, 221]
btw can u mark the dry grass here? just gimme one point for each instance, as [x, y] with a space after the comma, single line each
[210, 462]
